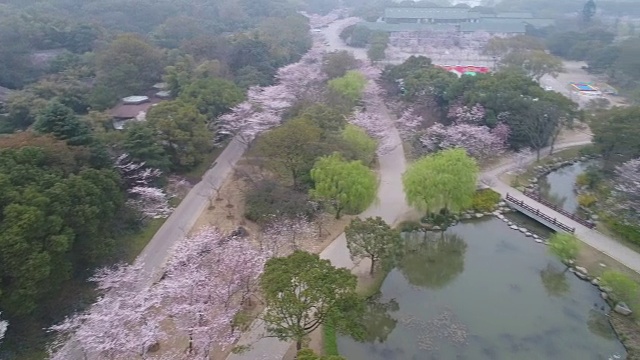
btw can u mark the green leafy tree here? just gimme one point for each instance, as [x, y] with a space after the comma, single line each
[61, 122]
[302, 291]
[348, 186]
[374, 239]
[363, 146]
[564, 246]
[128, 66]
[141, 144]
[179, 75]
[445, 180]
[212, 96]
[336, 64]
[536, 63]
[622, 287]
[22, 109]
[328, 118]
[615, 132]
[59, 217]
[182, 131]
[349, 86]
[292, 148]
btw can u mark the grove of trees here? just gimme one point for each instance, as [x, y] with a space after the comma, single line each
[484, 114]
[75, 190]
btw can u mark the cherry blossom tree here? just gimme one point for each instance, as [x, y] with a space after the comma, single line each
[627, 183]
[275, 99]
[123, 323]
[521, 159]
[502, 132]
[3, 328]
[462, 114]
[134, 173]
[409, 123]
[282, 235]
[265, 105]
[207, 278]
[373, 118]
[478, 141]
[245, 123]
[149, 200]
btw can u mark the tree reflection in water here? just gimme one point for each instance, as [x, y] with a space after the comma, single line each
[598, 324]
[377, 321]
[432, 260]
[554, 280]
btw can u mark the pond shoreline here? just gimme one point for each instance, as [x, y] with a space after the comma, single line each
[484, 236]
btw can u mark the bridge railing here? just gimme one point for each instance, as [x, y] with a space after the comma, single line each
[540, 214]
[562, 211]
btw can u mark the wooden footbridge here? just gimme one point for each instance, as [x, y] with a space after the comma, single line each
[539, 215]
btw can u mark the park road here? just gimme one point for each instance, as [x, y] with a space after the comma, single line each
[155, 254]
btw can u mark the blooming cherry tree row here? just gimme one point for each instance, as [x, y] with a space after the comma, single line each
[627, 184]
[149, 200]
[408, 124]
[478, 141]
[208, 278]
[264, 106]
[373, 117]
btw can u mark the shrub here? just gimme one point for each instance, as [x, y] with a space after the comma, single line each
[269, 198]
[627, 232]
[622, 287]
[589, 150]
[485, 200]
[409, 226]
[586, 200]
[582, 180]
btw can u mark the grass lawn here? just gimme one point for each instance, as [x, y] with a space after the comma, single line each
[137, 241]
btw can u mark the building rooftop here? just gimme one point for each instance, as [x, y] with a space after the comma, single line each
[134, 100]
[495, 27]
[380, 26]
[515, 15]
[426, 13]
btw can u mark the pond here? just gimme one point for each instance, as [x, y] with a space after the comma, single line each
[482, 291]
[557, 186]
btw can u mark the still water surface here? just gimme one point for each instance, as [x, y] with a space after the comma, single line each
[483, 291]
[557, 186]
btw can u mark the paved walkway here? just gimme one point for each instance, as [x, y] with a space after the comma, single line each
[155, 254]
[597, 240]
[390, 205]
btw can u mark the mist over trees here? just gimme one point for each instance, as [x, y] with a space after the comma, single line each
[69, 199]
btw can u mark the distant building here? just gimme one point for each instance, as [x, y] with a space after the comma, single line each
[455, 19]
[131, 108]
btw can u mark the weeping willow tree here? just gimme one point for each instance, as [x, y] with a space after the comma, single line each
[445, 181]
